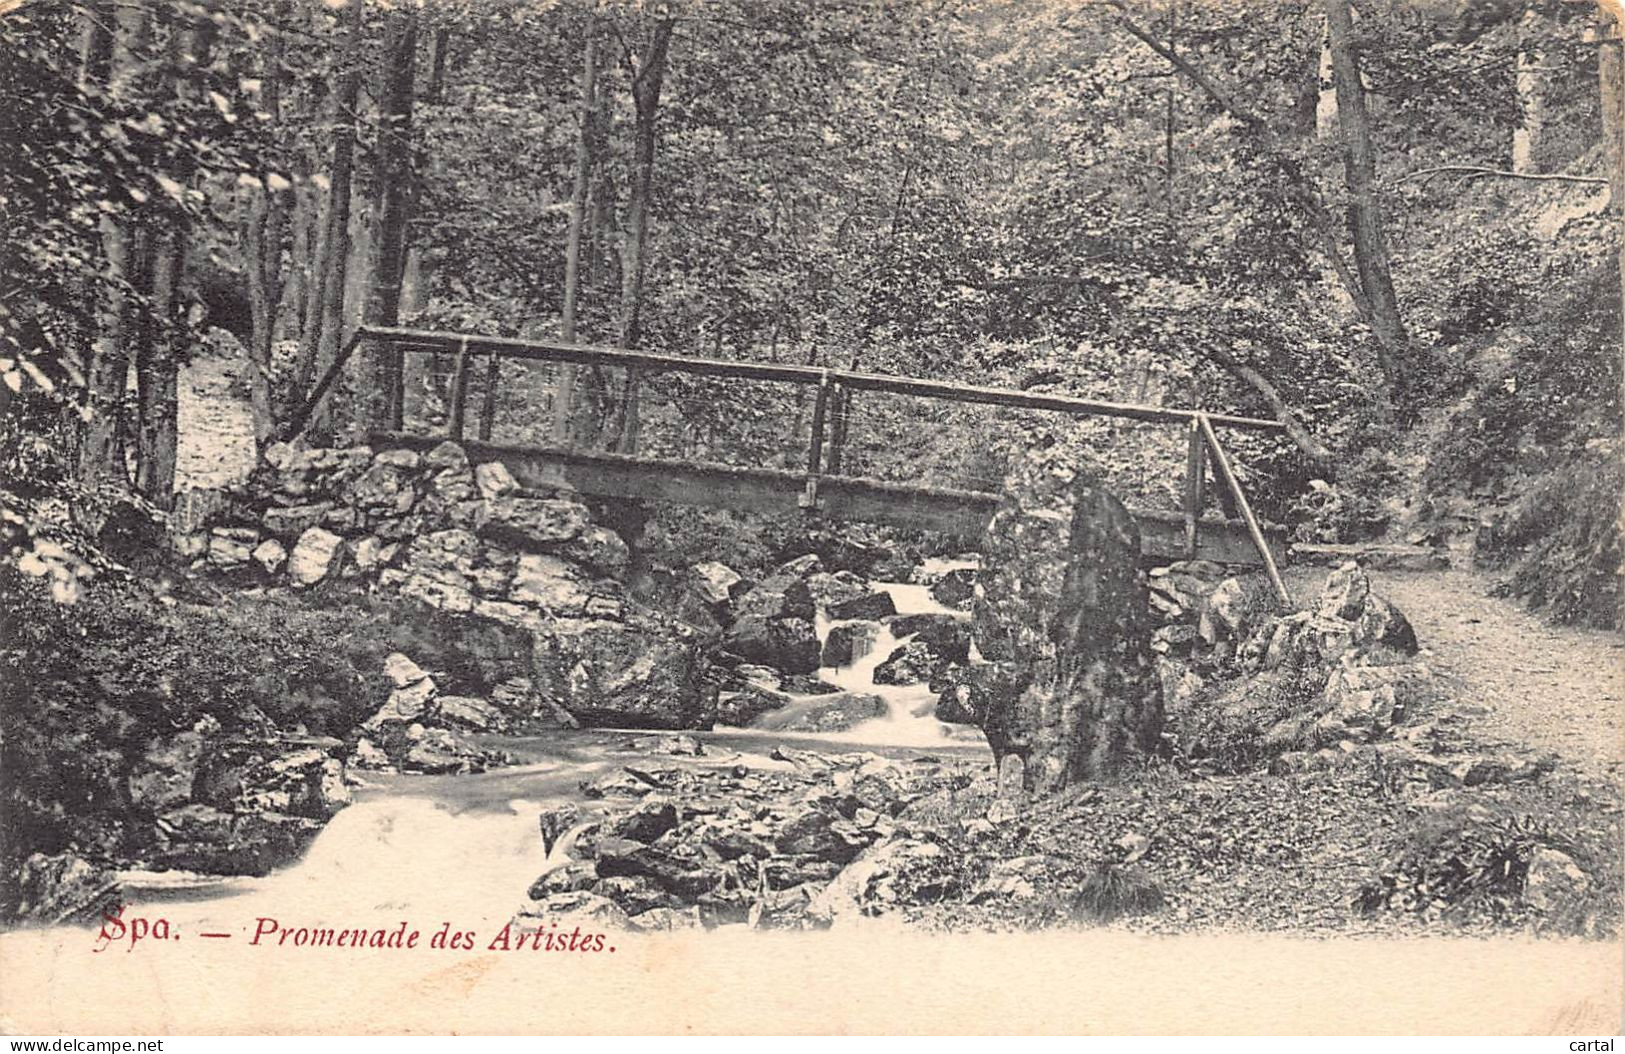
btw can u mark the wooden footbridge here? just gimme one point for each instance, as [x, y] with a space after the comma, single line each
[1230, 534]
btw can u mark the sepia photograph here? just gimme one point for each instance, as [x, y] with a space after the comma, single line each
[737, 517]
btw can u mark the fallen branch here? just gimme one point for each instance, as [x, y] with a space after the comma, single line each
[1481, 172]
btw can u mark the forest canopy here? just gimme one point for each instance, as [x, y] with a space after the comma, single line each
[1393, 224]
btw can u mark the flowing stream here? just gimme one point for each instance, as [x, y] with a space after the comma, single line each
[465, 848]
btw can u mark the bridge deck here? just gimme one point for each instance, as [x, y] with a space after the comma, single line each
[765, 490]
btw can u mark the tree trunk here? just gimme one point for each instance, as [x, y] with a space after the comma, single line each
[265, 222]
[157, 368]
[319, 104]
[395, 195]
[1068, 691]
[1169, 114]
[1326, 100]
[646, 84]
[1611, 92]
[335, 258]
[158, 354]
[1364, 211]
[417, 270]
[296, 295]
[358, 269]
[1528, 139]
[101, 449]
[95, 43]
[564, 400]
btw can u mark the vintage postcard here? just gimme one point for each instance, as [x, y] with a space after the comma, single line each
[797, 516]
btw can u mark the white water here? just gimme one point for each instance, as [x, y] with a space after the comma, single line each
[379, 862]
[464, 849]
[910, 720]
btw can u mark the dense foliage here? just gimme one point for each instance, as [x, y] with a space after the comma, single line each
[91, 687]
[1136, 201]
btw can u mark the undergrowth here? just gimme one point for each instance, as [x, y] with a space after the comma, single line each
[1469, 861]
[1559, 543]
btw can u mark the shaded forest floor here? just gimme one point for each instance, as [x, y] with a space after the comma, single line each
[1298, 853]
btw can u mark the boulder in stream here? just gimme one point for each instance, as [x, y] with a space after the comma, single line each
[847, 642]
[828, 713]
[741, 709]
[876, 605]
[914, 662]
[788, 644]
[638, 673]
[956, 589]
[949, 635]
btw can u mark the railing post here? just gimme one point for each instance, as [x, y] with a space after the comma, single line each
[488, 404]
[459, 393]
[1195, 477]
[1221, 461]
[395, 397]
[837, 428]
[815, 448]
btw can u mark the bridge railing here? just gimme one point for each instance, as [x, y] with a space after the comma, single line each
[831, 390]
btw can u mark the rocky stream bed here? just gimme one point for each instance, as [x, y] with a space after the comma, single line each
[805, 747]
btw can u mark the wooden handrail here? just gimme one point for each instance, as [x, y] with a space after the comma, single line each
[1221, 460]
[584, 354]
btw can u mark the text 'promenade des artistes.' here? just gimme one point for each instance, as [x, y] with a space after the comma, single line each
[127, 934]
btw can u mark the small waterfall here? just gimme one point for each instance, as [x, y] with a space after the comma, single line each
[463, 848]
[910, 720]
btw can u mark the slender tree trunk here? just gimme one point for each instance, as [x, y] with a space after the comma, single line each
[95, 42]
[1611, 94]
[265, 223]
[1168, 123]
[101, 450]
[646, 84]
[1365, 219]
[415, 270]
[292, 322]
[311, 267]
[564, 401]
[1528, 139]
[159, 353]
[335, 258]
[395, 193]
[1326, 99]
[363, 258]
[157, 368]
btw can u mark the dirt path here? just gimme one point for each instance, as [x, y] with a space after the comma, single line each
[1521, 680]
[214, 425]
